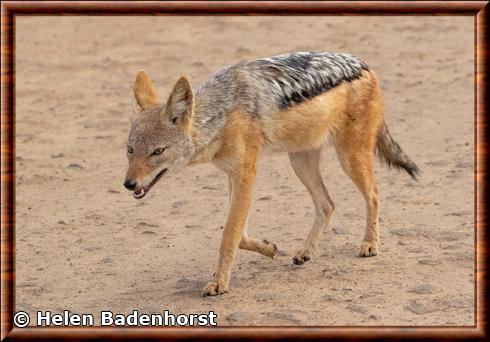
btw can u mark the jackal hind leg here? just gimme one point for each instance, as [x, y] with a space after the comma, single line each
[358, 163]
[306, 165]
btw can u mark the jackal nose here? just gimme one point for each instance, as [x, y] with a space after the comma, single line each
[129, 184]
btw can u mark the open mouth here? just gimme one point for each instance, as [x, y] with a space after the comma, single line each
[141, 192]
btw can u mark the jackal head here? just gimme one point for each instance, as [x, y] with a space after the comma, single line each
[160, 140]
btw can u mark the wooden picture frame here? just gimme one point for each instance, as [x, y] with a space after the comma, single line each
[12, 9]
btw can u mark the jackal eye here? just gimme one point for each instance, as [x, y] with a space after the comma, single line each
[158, 151]
[130, 149]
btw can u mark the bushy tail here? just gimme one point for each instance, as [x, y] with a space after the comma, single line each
[392, 154]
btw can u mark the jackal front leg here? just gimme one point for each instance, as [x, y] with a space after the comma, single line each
[242, 183]
[263, 246]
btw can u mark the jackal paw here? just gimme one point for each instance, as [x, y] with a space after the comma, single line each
[302, 256]
[368, 249]
[214, 289]
[269, 250]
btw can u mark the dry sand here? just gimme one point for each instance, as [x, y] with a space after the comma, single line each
[84, 244]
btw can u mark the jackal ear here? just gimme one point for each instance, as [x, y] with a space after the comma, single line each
[180, 104]
[144, 92]
[135, 107]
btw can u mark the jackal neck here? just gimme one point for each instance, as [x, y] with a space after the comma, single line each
[213, 104]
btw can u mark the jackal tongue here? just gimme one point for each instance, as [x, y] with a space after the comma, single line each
[140, 193]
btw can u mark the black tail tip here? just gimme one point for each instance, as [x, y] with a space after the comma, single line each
[412, 170]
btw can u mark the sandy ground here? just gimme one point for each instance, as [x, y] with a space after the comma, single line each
[84, 244]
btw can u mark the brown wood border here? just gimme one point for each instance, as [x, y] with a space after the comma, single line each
[10, 9]
[246, 7]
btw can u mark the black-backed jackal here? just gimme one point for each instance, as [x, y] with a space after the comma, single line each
[290, 103]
